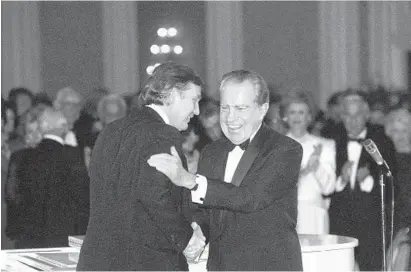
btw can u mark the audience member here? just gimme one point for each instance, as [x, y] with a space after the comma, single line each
[332, 124]
[69, 102]
[209, 119]
[317, 172]
[355, 205]
[43, 187]
[398, 128]
[87, 125]
[30, 134]
[6, 243]
[273, 118]
[190, 140]
[110, 108]
[21, 100]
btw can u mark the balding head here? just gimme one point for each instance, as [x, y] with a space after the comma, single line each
[355, 114]
[53, 122]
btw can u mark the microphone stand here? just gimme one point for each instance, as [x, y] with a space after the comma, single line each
[383, 227]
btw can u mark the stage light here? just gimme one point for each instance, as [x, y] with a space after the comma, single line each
[165, 48]
[178, 49]
[172, 32]
[155, 49]
[162, 32]
[150, 69]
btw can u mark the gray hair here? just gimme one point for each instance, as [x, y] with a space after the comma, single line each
[64, 94]
[395, 117]
[258, 82]
[111, 105]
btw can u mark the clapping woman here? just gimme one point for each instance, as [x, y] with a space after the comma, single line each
[317, 173]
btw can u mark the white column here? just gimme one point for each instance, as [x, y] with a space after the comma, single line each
[21, 46]
[120, 46]
[224, 41]
[339, 47]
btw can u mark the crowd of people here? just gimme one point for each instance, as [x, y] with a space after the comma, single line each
[60, 155]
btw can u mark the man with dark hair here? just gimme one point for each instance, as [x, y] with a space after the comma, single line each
[138, 219]
[247, 182]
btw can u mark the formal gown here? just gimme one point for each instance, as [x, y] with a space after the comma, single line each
[312, 206]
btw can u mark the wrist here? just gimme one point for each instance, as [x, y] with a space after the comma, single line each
[191, 182]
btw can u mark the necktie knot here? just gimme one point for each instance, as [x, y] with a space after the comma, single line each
[358, 140]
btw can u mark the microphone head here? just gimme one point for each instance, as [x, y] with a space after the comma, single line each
[369, 145]
[372, 149]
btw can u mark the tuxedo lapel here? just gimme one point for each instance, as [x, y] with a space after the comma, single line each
[244, 166]
[247, 159]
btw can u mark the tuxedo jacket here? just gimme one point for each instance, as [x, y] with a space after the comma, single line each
[137, 219]
[356, 213]
[251, 221]
[44, 189]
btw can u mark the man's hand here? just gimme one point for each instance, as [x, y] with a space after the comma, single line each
[196, 244]
[171, 166]
[362, 173]
[313, 160]
[346, 171]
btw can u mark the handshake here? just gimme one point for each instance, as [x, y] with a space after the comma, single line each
[196, 245]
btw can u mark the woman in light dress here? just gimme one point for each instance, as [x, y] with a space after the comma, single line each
[317, 174]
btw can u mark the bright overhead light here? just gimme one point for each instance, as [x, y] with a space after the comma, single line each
[165, 48]
[172, 32]
[150, 69]
[178, 49]
[162, 32]
[157, 64]
[155, 49]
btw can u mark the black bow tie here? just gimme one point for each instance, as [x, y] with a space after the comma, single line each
[358, 140]
[243, 145]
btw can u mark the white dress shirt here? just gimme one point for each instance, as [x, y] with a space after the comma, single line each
[354, 150]
[234, 157]
[70, 139]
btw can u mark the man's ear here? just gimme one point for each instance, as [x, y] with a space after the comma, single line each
[264, 110]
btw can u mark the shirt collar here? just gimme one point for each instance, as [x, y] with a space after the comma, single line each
[255, 132]
[54, 138]
[160, 112]
[361, 135]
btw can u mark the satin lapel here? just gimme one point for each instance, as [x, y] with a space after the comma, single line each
[244, 165]
[248, 157]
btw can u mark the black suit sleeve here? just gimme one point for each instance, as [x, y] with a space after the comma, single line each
[270, 181]
[162, 200]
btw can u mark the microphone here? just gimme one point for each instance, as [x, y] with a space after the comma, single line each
[372, 149]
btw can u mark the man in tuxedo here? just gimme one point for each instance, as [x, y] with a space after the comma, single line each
[355, 208]
[46, 184]
[246, 183]
[138, 219]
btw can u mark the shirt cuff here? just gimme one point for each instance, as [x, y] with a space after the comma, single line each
[198, 195]
[367, 184]
[340, 185]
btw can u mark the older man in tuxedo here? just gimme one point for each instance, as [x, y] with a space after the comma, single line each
[138, 219]
[48, 185]
[247, 183]
[355, 206]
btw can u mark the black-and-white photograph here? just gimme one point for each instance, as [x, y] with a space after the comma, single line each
[205, 136]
